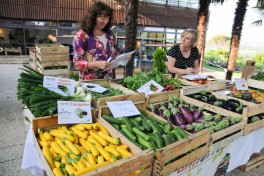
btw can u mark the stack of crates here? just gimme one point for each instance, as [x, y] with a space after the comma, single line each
[53, 59]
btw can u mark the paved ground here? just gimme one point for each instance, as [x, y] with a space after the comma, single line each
[13, 130]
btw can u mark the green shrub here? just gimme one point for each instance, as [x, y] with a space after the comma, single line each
[159, 57]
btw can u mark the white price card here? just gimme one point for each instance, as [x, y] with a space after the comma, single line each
[62, 86]
[241, 84]
[71, 112]
[150, 88]
[94, 87]
[122, 108]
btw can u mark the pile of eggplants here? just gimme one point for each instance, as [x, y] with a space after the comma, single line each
[190, 117]
[230, 104]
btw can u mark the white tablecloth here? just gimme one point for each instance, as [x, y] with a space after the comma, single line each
[240, 151]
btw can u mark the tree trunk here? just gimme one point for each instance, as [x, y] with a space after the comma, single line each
[236, 35]
[131, 18]
[202, 20]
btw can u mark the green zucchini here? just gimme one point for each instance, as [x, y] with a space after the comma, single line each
[159, 140]
[151, 117]
[111, 119]
[181, 131]
[127, 122]
[145, 124]
[167, 127]
[144, 142]
[153, 126]
[129, 134]
[141, 134]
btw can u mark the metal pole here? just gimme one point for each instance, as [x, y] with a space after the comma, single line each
[24, 36]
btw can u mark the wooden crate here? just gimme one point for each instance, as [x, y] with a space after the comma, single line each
[28, 116]
[212, 87]
[249, 112]
[178, 149]
[128, 94]
[256, 161]
[53, 59]
[139, 159]
[255, 83]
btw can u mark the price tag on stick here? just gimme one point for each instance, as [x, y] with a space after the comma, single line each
[71, 112]
[241, 84]
[122, 108]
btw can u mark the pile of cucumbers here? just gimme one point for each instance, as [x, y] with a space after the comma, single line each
[146, 132]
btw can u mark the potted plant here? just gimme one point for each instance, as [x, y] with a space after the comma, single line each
[159, 57]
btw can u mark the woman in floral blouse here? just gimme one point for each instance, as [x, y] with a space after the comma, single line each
[94, 44]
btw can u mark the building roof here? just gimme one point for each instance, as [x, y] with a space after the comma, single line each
[72, 10]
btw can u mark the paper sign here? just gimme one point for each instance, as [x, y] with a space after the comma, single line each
[70, 112]
[241, 84]
[93, 87]
[150, 88]
[194, 76]
[122, 59]
[122, 108]
[62, 86]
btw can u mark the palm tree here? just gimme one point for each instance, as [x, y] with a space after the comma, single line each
[131, 19]
[240, 13]
[202, 20]
[260, 8]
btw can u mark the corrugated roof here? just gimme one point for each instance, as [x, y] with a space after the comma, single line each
[73, 10]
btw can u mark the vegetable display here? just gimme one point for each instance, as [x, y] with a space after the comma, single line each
[80, 148]
[110, 92]
[259, 76]
[40, 100]
[251, 95]
[230, 104]
[146, 132]
[139, 79]
[191, 118]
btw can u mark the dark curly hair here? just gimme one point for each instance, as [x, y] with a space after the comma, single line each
[88, 22]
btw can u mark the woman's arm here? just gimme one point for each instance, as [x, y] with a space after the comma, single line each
[173, 69]
[196, 67]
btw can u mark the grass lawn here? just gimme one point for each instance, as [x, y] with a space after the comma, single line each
[237, 73]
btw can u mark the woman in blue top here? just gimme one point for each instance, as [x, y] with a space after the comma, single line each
[95, 43]
[184, 58]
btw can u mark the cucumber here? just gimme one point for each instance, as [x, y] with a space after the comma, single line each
[167, 127]
[153, 126]
[166, 139]
[116, 126]
[141, 134]
[138, 119]
[141, 128]
[127, 122]
[171, 137]
[111, 119]
[158, 139]
[138, 145]
[178, 136]
[145, 124]
[134, 122]
[129, 134]
[144, 142]
[181, 131]
[151, 117]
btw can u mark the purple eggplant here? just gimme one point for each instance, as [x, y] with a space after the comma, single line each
[186, 114]
[178, 118]
[198, 113]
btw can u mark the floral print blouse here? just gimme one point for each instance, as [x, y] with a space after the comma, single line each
[88, 48]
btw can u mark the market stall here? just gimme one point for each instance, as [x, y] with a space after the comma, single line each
[148, 124]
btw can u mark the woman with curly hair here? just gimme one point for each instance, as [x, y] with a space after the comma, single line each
[94, 44]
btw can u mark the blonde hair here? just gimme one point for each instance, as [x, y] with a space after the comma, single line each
[194, 35]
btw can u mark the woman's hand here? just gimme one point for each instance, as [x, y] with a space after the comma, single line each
[189, 70]
[103, 64]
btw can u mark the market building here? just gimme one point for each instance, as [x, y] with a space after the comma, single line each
[27, 22]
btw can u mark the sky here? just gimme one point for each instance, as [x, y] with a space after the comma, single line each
[221, 22]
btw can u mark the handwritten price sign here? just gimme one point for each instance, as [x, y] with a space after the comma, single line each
[122, 108]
